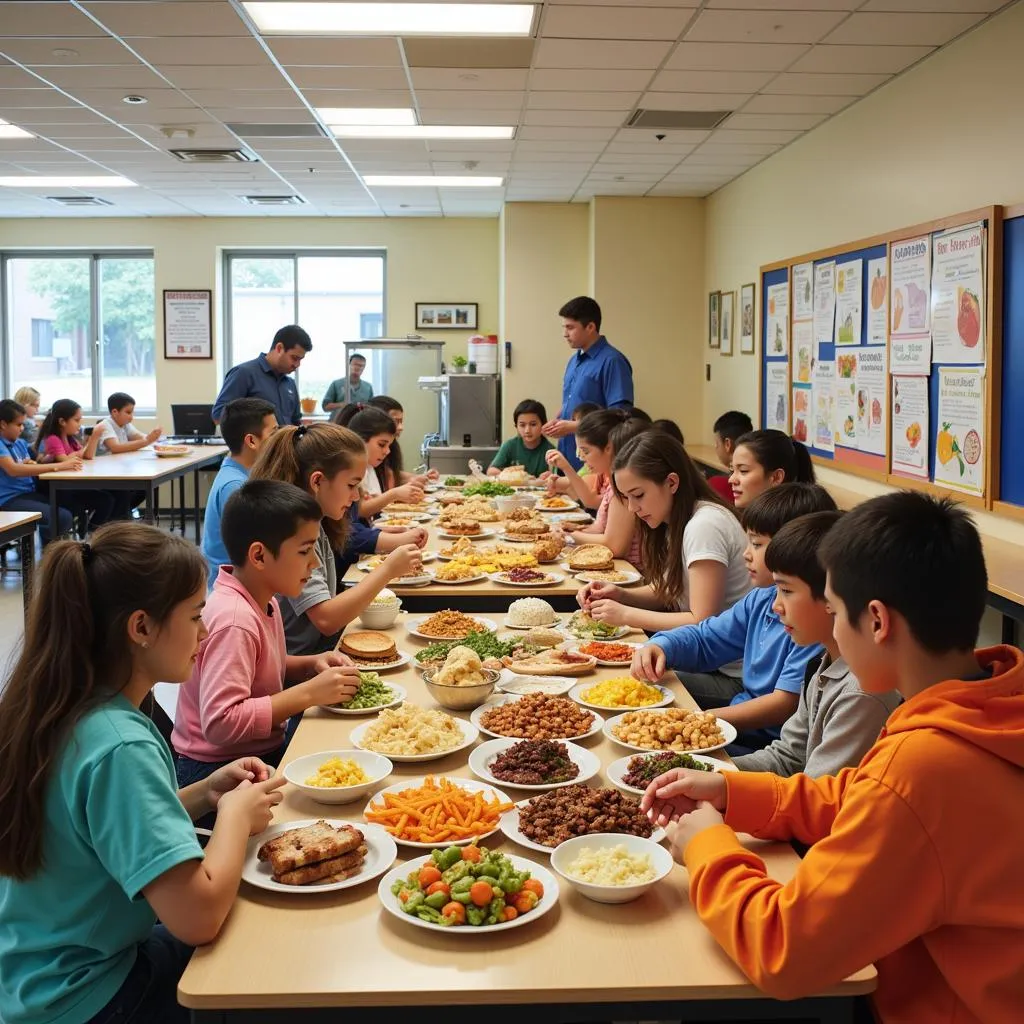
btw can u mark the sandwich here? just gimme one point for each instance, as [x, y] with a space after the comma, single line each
[548, 548]
[317, 853]
[368, 647]
[461, 527]
[590, 556]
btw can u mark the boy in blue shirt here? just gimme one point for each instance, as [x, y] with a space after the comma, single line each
[246, 424]
[760, 698]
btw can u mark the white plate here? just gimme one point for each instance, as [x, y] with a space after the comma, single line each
[458, 583]
[400, 696]
[551, 579]
[511, 698]
[470, 734]
[482, 535]
[576, 693]
[380, 856]
[413, 625]
[571, 517]
[633, 577]
[728, 731]
[511, 539]
[617, 769]
[560, 685]
[371, 563]
[178, 455]
[587, 637]
[546, 878]
[483, 756]
[572, 504]
[510, 828]
[417, 517]
[402, 659]
[575, 645]
[471, 785]
[421, 580]
[547, 625]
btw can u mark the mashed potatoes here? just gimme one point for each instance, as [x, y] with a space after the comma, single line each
[611, 865]
[462, 667]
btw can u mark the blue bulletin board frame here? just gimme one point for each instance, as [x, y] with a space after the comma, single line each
[1011, 423]
[768, 279]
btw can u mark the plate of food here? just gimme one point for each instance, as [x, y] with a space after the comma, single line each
[620, 694]
[610, 654]
[583, 627]
[675, 729]
[570, 517]
[404, 518]
[622, 577]
[372, 696]
[557, 503]
[530, 891]
[317, 855]
[171, 451]
[375, 561]
[371, 649]
[590, 557]
[544, 821]
[457, 572]
[553, 685]
[420, 812]
[534, 716]
[551, 662]
[450, 533]
[530, 613]
[636, 772]
[449, 625]
[533, 764]
[416, 507]
[488, 647]
[527, 577]
[408, 734]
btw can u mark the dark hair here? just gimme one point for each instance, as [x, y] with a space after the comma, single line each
[243, 416]
[292, 336]
[653, 456]
[918, 555]
[671, 428]
[386, 404]
[76, 655]
[62, 409]
[10, 410]
[584, 310]
[611, 427]
[774, 449]
[529, 407]
[393, 463]
[584, 408]
[356, 355]
[733, 425]
[367, 422]
[119, 400]
[793, 551]
[294, 454]
[266, 512]
[770, 511]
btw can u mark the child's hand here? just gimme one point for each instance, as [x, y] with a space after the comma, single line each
[433, 474]
[678, 792]
[601, 591]
[682, 831]
[410, 493]
[612, 612]
[556, 460]
[332, 659]
[648, 663]
[253, 802]
[418, 536]
[99, 430]
[334, 685]
[403, 561]
[223, 780]
[154, 435]
[71, 464]
[584, 595]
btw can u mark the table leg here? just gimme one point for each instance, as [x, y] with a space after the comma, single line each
[195, 498]
[1009, 630]
[150, 514]
[54, 519]
[181, 500]
[28, 567]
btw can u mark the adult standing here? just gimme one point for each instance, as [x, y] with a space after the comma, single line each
[268, 377]
[359, 391]
[597, 372]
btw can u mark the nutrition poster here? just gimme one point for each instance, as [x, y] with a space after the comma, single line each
[823, 405]
[849, 290]
[871, 401]
[803, 291]
[776, 338]
[910, 426]
[878, 301]
[911, 321]
[776, 396]
[803, 351]
[824, 302]
[846, 398]
[958, 296]
[801, 412]
[960, 437]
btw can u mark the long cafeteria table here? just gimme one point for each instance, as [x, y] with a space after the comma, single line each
[20, 528]
[313, 957]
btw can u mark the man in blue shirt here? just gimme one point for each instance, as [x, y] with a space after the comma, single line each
[596, 373]
[267, 377]
[359, 390]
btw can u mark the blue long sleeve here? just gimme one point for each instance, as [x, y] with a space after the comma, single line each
[236, 385]
[716, 641]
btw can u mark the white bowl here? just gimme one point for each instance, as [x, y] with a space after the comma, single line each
[506, 503]
[381, 616]
[376, 767]
[564, 854]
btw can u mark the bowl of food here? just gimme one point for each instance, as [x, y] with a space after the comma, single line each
[382, 611]
[611, 867]
[461, 682]
[507, 503]
[337, 776]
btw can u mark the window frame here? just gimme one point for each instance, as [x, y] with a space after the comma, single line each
[95, 258]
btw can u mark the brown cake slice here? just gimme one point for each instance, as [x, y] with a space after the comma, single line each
[309, 845]
[368, 646]
[334, 869]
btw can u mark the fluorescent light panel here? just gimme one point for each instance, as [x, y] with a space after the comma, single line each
[373, 116]
[407, 19]
[37, 181]
[423, 132]
[11, 131]
[430, 181]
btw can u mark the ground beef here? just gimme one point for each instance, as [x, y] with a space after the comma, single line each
[578, 810]
[534, 763]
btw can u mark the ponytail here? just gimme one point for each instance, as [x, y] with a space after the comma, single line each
[612, 427]
[774, 450]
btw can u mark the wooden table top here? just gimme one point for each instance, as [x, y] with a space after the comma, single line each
[705, 454]
[143, 464]
[341, 949]
[12, 520]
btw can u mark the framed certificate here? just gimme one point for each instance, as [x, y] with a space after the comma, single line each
[188, 324]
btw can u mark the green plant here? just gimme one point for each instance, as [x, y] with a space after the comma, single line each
[459, 361]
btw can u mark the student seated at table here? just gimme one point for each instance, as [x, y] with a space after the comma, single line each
[97, 843]
[529, 446]
[764, 459]
[671, 428]
[19, 472]
[691, 543]
[744, 663]
[235, 704]
[377, 539]
[328, 462]
[914, 860]
[247, 423]
[121, 435]
[728, 428]
[30, 399]
[394, 469]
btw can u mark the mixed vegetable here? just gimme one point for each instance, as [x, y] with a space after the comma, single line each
[453, 481]
[643, 769]
[488, 489]
[372, 693]
[486, 645]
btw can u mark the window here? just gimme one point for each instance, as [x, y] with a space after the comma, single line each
[79, 326]
[337, 296]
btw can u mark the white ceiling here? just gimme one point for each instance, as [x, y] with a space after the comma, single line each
[66, 66]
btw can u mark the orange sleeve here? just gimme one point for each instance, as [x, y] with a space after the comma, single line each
[865, 890]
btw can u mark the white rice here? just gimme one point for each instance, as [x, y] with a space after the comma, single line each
[384, 599]
[530, 611]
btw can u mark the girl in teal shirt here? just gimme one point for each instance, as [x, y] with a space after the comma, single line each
[96, 842]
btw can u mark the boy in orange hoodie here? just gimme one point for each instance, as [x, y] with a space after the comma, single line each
[915, 856]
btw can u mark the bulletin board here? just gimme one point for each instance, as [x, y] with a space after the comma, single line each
[894, 356]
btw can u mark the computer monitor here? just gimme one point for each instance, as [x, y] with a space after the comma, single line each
[193, 421]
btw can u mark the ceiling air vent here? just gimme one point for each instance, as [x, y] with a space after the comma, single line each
[79, 201]
[677, 120]
[273, 200]
[213, 156]
[277, 131]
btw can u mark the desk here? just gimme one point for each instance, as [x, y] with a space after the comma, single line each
[21, 527]
[705, 455]
[142, 470]
[316, 957]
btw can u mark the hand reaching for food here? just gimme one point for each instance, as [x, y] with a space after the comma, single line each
[556, 460]
[679, 791]
[403, 561]
[685, 828]
[253, 802]
[612, 612]
[334, 685]
[648, 663]
[410, 493]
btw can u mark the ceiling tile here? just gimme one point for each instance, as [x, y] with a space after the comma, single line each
[538, 134]
[464, 115]
[51, 115]
[787, 5]
[581, 100]
[577, 53]
[934, 6]
[636, 22]
[798, 122]
[40, 52]
[15, 78]
[502, 100]
[741, 135]
[763, 26]
[693, 100]
[335, 52]
[219, 51]
[714, 149]
[568, 118]
[126, 77]
[345, 78]
[628, 136]
[45, 19]
[711, 81]
[873, 60]
[388, 99]
[470, 79]
[903, 29]
[600, 79]
[26, 99]
[765, 104]
[256, 99]
[261, 76]
[825, 85]
[162, 18]
[734, 56]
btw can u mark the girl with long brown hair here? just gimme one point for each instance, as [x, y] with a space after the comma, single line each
[328, 462]
[96, 840]
[691, 543]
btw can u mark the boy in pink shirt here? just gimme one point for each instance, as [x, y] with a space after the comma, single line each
[236, 704]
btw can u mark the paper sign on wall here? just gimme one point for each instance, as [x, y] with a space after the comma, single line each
[960, 436]
[801, 412]
[846, 398]
[824, 303]
[776, 396]
[823, 404]
[849, 291]
[910, 306]
[803, 291]
[910, 426]
[803, 351]
[878, 301]
[776, 337]
[871, 401]
[958, 297]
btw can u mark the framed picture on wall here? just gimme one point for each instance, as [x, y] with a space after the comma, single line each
[727, 315]
[188, 324]
[747, 318]
[714, 319]
[445, 316]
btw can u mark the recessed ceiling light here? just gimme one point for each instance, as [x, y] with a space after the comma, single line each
[38, 181]
[12, 131]
[134, 100]
[367, 115]
[430, 181]
[424, 132]
[403, 19]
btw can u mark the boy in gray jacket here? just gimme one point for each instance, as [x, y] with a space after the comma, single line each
[835, 722]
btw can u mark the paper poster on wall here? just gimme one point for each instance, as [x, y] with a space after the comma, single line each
[909, 304]
[849, 292]
[846, 399]
[776, 335]
[878, 301]
[823, 404]
[803, 351]
[871, 401]
[958, 296]
[801, 412]
[910, 426]
[803, 293]
[824, 303]
[960, 437]
[776, 396]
